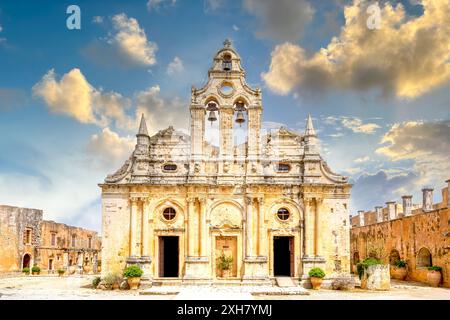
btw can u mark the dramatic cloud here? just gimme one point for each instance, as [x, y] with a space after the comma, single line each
[176, 66]
[407, 56]
[109, 149]
[128, 45]
[161, 112]
[362, 159]
[282, 20]
[75, 97]
[425, 143]
[157, 4]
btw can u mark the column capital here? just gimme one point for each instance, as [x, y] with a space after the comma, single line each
[190, 200]
[249, 200]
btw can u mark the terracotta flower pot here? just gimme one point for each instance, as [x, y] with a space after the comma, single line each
[399, 273]
[434, 278]
[316, 283]
[115, 286]
[134, 282]
[226, 273]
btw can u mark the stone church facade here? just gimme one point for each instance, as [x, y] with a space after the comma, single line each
[271, 203]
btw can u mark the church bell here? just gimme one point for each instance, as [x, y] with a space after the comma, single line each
[212, 116]
[240, 118]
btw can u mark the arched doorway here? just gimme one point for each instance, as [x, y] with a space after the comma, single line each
[26, 260]
[394, 256]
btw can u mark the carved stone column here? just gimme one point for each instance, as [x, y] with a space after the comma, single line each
[133, 226]
[309, 229]
[204, 227]
[249, 228]
[262, 235]
[318, 232]
[191, 225]
[145, 226]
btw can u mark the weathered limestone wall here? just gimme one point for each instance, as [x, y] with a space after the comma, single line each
[133, 222]
[408, 235]
[62, 253]
[13, 223]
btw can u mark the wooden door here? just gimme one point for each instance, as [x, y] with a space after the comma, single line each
[228, 247]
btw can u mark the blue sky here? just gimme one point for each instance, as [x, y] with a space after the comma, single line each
[70, 99]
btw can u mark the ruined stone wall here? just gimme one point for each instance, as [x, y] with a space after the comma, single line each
[62, 254]
[408, 235]
[13, 223]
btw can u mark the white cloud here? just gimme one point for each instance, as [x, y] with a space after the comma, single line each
[357, 126]
[280, 20]
[362, 159]
[97, 19]
[235, 28]
[110, 150]
[156, 4]
[74, 96]
[126, 46]
[159, 111]
[407, 57]
[1, 28]
[212, 5]
[176, 66]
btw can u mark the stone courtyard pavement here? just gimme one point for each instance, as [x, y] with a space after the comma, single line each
[67, 288]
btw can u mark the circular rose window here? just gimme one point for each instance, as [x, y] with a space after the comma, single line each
[169, 213]
[226, 89]
[283, 214]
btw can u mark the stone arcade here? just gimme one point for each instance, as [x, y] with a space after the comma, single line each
[271, 202]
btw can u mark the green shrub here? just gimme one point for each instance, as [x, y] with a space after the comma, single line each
[371, 261]
[95, 282]
[26, 270]
[36, 269]
[316, 273]
[133, 272]
[61, 271]
[435, 268]
[112, 279]
[400, 264]
[224, 262]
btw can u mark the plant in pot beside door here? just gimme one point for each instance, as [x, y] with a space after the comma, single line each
[133, 274]
[434, 276]
[35, 270]
[225, 264]
[316, 275]
[399, 271]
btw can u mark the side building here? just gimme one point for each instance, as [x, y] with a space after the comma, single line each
[418, 234]
[27, 240]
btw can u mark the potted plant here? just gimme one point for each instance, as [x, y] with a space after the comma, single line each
[374, 274]
[225, 264]
[112, 281]
[133, 274]
[95, 282]
[316, 275]
[434, 276]
[61, 272]
[399, 271]
[26, 270]
[35, 270]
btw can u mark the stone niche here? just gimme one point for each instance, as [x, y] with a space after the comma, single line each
[376, 277]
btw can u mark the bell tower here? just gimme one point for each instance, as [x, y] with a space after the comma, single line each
[227, 95]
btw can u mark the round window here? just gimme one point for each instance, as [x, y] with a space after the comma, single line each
[283, 214]
[169, 213]
[226, 88]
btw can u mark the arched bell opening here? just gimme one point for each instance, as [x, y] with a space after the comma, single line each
[240, 122]
[212, 123]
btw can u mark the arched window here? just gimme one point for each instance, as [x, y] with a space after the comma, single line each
[394, 256]
[424, 258]
[226, 62]
[169, 213]
[283, 214]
